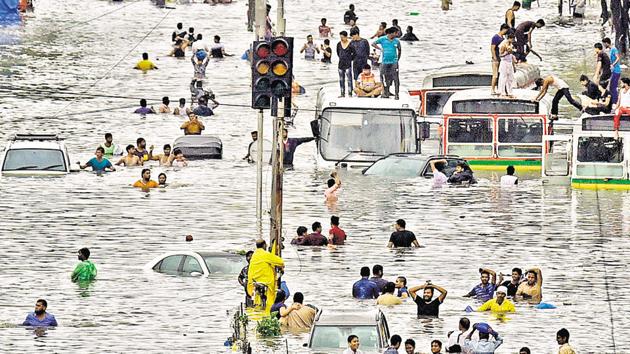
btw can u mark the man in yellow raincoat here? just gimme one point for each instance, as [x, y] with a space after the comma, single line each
[262, 269]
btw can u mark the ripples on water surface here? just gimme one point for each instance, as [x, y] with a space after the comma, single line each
[44, 221]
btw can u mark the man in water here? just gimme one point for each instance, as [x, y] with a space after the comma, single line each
[410, 346]
[349, 18]
[162, 179]
[353, 345]
[315, 238]
[301, 234]
[496, 58]
[397, 27]
[193, 126]
[324, 31]
[436, 346]
[562, 337]
[203, 109]
[326, 51]
[131, 159]
[499, 304]
[262, 269]
[509, 180]
[298, 317]
[290, 145]
[523, 36]
[365, 288]
[483, 345]
[334, 185]
[98, 163]
[163, 158]
[179, 33]
[401, 286]
[361, 48]
[456, 339]
[402, 237]
[249, 156]
[200, 62]
[562, 91]
[336, 235]
[485, 290]
[513, 283]
[531, 289]
[164, 108]
[388, 298]
[377, 277]
[200, 44]
[390, 46]
[602, 68]
[462, 174]
[394, 344]
[145, 64]
[146, 182]
[366, 84]
[242, 277]
[179, 48]
[40, 318]
[217, 50]
[427, 306]
[141, 150]
[510, 18]
[181, 110]
[144, 109]
[178, 159]
[309, 48]
[86, 270]
[615, 64]
[437, 167]
[109, 147]
[409, 36]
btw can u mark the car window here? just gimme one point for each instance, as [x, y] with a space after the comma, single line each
[396, 166]
[34, 160]
[170, 264]
[191, 265]
[224, 265]
[337, 336]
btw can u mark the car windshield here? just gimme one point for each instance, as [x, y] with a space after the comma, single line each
[34, 160]
[380, 132]
[336, 337]
[397, 166]
[224, 264]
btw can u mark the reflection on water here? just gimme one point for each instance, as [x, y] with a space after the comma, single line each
[578, 238]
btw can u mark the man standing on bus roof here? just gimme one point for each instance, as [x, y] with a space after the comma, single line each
[390, 46]
[562, 91]
[496, 58]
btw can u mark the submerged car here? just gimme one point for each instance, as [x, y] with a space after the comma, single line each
[192, 263]
[199, 147]
[35, 155]
[330, 331]
[411, 165]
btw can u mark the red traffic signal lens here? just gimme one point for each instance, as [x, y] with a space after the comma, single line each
[279, 88]
[262, 84]
[262, 101]
[280, 47]
[262, 67]
[279, 68]
[262, 50]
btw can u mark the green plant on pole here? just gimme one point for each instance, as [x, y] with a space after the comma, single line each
[269, 326]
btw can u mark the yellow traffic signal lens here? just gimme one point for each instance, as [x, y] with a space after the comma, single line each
[280, 68]
[262, 68]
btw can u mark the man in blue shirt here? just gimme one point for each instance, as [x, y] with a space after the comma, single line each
[615, 65]
[98, 163]
[40, 318]
[365, 288]
[390, 46]
[485, 290]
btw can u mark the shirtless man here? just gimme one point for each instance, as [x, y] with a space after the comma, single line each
[131, 159]
[366, 84]
[531, 290]
[334, 184]
[165, 157]
[178, 159]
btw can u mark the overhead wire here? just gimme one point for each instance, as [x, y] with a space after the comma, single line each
[129, 3]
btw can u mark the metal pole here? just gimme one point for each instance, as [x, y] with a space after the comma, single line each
[251, 9]
[281, 21]
[260, 19]
[275, 233]
[259, 169]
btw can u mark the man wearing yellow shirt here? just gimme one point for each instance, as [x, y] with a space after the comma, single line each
[145, 64]
[262, 269]
[146, 182]
[499, 304]
[388, 298]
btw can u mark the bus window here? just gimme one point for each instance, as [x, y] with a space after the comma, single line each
[520, 130]
[600, 149]
[435, 102]
[470, 130]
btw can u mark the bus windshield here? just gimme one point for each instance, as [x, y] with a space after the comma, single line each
[378, 132]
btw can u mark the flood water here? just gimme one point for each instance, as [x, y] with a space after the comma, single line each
[578, 238]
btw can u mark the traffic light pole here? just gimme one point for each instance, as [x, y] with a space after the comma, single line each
[261, 22]
[277, 180]
[280, 18]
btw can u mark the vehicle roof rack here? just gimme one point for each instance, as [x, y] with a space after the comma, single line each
[40, 137]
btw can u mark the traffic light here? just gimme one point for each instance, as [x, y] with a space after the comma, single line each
[272, 71]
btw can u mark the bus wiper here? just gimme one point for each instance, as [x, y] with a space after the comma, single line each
[51, 166]
[354, 152]
[25, 167]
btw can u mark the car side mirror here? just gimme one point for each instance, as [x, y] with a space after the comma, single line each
[425, 130]
[195, 274]
[315, 128]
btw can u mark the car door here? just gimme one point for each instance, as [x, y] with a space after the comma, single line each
[170, 265]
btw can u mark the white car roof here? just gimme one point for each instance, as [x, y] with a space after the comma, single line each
[36, 144]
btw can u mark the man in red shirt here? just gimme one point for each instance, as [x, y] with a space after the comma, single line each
[336, 235]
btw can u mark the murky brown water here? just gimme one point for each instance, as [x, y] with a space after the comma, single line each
[578, 238]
